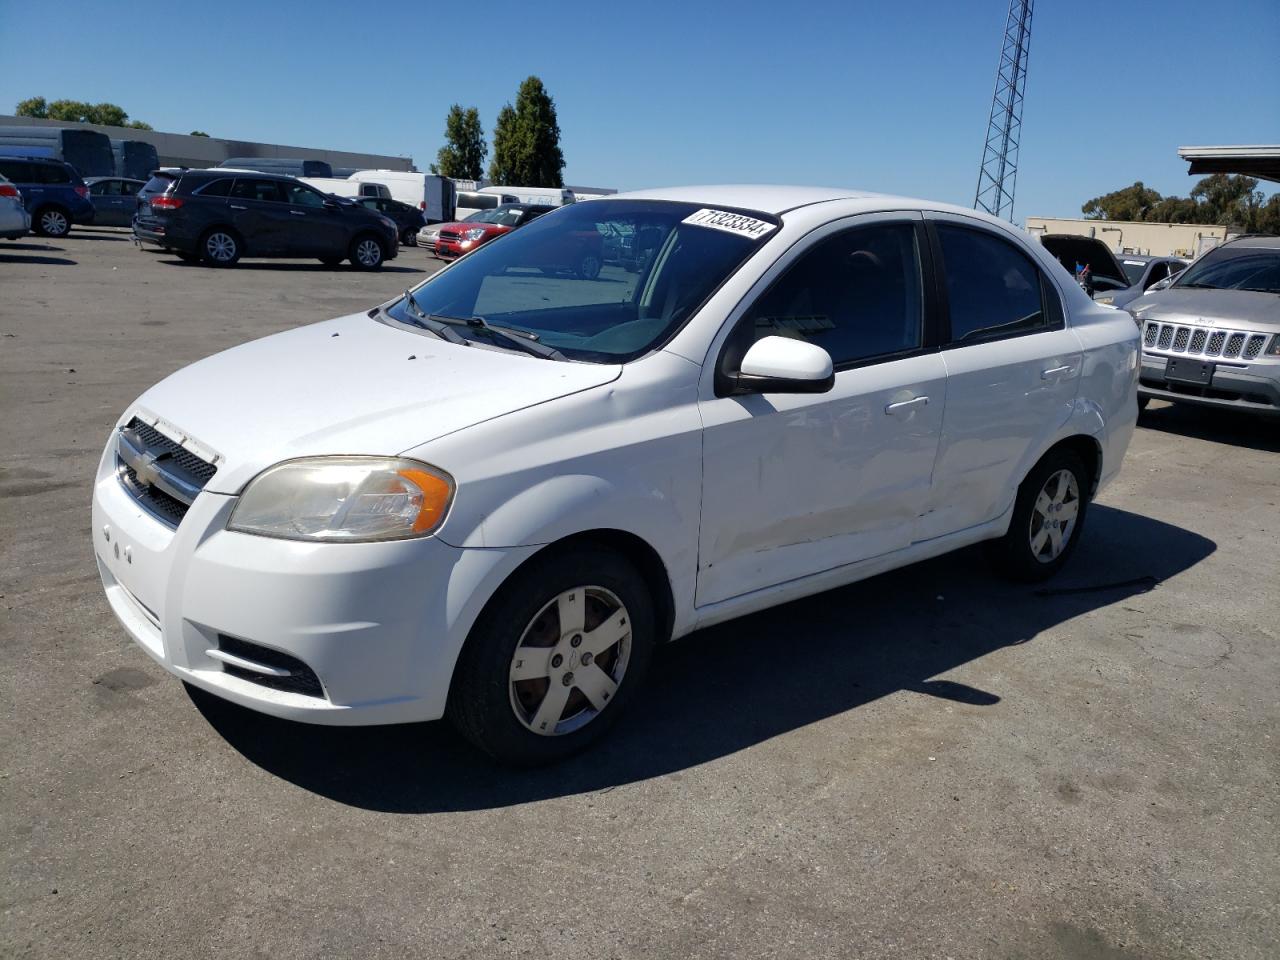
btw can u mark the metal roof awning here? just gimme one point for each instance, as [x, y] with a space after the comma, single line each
[1262, 162]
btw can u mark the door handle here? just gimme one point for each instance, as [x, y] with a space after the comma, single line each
[236, 206]
[1054, 371]
[904, 405]
[297, 213]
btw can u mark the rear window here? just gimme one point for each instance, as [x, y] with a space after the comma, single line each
[158, 184]
[477, 201]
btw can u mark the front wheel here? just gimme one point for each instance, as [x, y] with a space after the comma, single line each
[588, 266]
[409, 238]
[367, 253]
[52, 222]
[554, 658]
[1048, 516]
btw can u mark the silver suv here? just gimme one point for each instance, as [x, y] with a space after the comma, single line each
[1213, 336]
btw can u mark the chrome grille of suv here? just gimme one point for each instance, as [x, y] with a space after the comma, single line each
[1181, 338]
[161, 474]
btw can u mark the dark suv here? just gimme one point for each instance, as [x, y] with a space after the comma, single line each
[218, 216]
[53, 192]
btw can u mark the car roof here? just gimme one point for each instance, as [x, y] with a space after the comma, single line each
[49, 160]
[1264, 241]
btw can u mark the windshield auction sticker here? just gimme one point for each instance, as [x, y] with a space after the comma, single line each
[731, 223]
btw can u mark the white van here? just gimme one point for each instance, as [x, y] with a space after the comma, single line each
[468, 202]
[345, 187]
[431, 194]
[544, 196]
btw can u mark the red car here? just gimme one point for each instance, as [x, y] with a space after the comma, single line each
[583, 256]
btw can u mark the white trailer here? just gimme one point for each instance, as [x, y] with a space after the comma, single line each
[431, 194]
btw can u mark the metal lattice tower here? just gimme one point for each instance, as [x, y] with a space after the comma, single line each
[999, 171]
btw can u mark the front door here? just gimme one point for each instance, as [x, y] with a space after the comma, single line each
[795, 484]
[313, 229]
[1013, 370]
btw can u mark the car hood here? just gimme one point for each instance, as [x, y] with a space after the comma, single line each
[1237, 309]
[348, 386]
[460, 226]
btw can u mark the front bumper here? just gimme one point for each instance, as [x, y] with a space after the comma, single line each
[1236, 385]
[380, 624]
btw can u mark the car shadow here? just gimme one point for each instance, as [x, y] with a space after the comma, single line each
[287, 266]
[738, 684]
[1237, 427]
[100, 233]
[30, 245]
[6, 257]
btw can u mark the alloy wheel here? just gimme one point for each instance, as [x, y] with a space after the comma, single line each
[368, 253]
[221, 247]
[54, 223]
[570, 661]
[1053, 517]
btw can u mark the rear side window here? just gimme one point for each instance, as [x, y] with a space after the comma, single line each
[857, 295]
[248, 188]
[993, 289]
[16, 170]
[216, 188]
[52, 173]
[105, 188]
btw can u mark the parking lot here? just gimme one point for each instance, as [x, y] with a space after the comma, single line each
[932, 763]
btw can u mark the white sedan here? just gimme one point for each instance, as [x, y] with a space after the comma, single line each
[491, 497]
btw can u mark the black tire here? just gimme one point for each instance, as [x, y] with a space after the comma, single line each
[1142, 403]
[220, 247]
[588, 266]
[51, 221]
[331, 261]
[483, 698]
[409, 238]
[1016, 554]
[362, 252]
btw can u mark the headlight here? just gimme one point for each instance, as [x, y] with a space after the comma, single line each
[475, 233]
[1106, 300]
[344, 499]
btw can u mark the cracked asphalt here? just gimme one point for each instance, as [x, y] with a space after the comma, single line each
[932, 763]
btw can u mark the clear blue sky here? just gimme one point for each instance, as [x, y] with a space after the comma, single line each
[890, 95]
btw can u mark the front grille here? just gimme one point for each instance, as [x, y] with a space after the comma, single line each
[301, 679]
[173, 474]
[1181, 338]
[169, 509]
[450, 235]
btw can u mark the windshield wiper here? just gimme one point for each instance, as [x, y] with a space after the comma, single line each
[1198, 286]
[522, 339]
[440, 327]
[1259, 289]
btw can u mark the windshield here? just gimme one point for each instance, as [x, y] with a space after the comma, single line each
[606, 303]
[1133, 269]
[1235, 268]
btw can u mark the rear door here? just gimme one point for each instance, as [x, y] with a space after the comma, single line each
[109, 203]
[260, 215]
[1013, 370]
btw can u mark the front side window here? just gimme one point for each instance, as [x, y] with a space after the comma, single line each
[1133, 270]
[993, 289]
[105, 188]
[550, 277]
[249, 188]
[857, 295]
[300, 195]
[1233, 267]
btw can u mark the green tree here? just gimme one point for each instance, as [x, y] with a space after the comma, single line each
[526, 140]
[462, 156]
[1228, 200]
[502, 166]
[197, 133]
[78, 111]
[36, 107]
[1130, 203]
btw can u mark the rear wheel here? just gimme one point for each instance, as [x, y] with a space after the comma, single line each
[220, 247]
[367, 252]
[409, 238]
[1048, 516]
[554, 658]
[51, 222]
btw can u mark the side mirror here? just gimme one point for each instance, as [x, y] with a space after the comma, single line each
[785, 365]
[331, 204]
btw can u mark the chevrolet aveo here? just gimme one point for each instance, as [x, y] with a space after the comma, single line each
[491, 497]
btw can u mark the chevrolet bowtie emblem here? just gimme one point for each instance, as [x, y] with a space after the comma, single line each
[146, 470]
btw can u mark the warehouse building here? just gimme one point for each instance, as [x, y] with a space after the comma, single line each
[1128, 236]
[181, 150]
